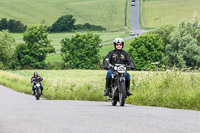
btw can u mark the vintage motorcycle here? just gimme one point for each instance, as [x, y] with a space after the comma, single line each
[37, 83]
[118, 83]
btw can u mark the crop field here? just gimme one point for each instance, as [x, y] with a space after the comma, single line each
[98, 12]
[173, 89]
[160, 12]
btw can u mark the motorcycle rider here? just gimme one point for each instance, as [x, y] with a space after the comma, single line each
[117, 56]
[35, 76]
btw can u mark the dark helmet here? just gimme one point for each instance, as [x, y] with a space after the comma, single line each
[35, 74]
[118, 40]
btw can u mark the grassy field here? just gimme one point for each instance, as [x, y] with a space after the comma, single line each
[160, 12]
[98, 12]
[173, 89]
[57, 37]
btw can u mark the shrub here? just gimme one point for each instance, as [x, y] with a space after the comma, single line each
[81, 51]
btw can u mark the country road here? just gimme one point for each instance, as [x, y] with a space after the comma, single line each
[21, 113]
[134, 21]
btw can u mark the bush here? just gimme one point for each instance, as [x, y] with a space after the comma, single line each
[183, 49]
[89, 27]
[164, 33]
[145, 50]
[64, 24]
[8, 59]
[33, 53]
[12, 25]
[81, 51]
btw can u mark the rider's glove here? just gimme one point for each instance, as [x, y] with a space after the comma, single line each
[115, 68]
[111, 66]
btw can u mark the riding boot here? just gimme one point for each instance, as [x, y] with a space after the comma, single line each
[106, 92]
[33, 93]
[41, 92]
[127, 88]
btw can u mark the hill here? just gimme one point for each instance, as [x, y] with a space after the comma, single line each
[159, 12]
[107, 13]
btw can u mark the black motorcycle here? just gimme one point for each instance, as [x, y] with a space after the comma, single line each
[118, 84]
[37, 83]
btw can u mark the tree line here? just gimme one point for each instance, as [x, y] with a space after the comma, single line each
[12, 25]
[65, 23]
[165, 47]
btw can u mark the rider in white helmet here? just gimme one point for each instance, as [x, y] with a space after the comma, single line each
[117, 56]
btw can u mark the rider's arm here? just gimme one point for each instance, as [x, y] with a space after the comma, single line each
[109, 55]
[41, 78]
[32, 79]
[130, 62]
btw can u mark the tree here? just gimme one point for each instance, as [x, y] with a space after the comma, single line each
[7, 51]
[37, 46]
[183, 49]
[164, 33]
[3, 24]
[81, 51]
[64, 24]
[145, 50]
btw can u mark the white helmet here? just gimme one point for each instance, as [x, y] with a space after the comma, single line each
[118, 40]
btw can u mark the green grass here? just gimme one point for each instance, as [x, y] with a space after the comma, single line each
[107, 13]
[57, 37]
[173, 89]
[161, 12]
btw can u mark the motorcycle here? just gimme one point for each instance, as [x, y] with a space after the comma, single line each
[118, 84]
[37, 83]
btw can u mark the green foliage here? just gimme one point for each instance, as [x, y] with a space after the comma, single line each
[34, 51]
[64, 24]
[183, 50]
[145, 50]
[88, 27]
[12, 25]
[82, 51]
[164, 33]
[7, 51]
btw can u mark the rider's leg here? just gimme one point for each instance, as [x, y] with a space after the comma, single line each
[128, 84]
[41, 87]
[108, 80]
[33, 89]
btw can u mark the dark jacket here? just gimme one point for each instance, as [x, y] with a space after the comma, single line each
[34, 78]
[118, 57]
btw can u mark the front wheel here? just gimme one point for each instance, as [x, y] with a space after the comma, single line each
[37, 94]
[114, 102]
[122, 94]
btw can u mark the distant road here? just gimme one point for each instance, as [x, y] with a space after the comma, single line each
[21, 113]
[134, 20]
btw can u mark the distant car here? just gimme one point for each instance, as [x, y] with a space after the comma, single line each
[133, 0]
[132, 33]
[132, 3]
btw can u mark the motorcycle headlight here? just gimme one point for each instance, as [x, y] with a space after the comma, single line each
[121, 69]
[38, 85]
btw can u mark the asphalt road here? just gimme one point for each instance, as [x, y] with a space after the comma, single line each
[134, 21]
[21, 113]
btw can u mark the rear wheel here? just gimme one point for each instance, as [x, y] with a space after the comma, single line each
[122, 95]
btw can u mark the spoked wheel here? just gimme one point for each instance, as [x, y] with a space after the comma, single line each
[37, 95]
[122, 95]
[114, 102]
